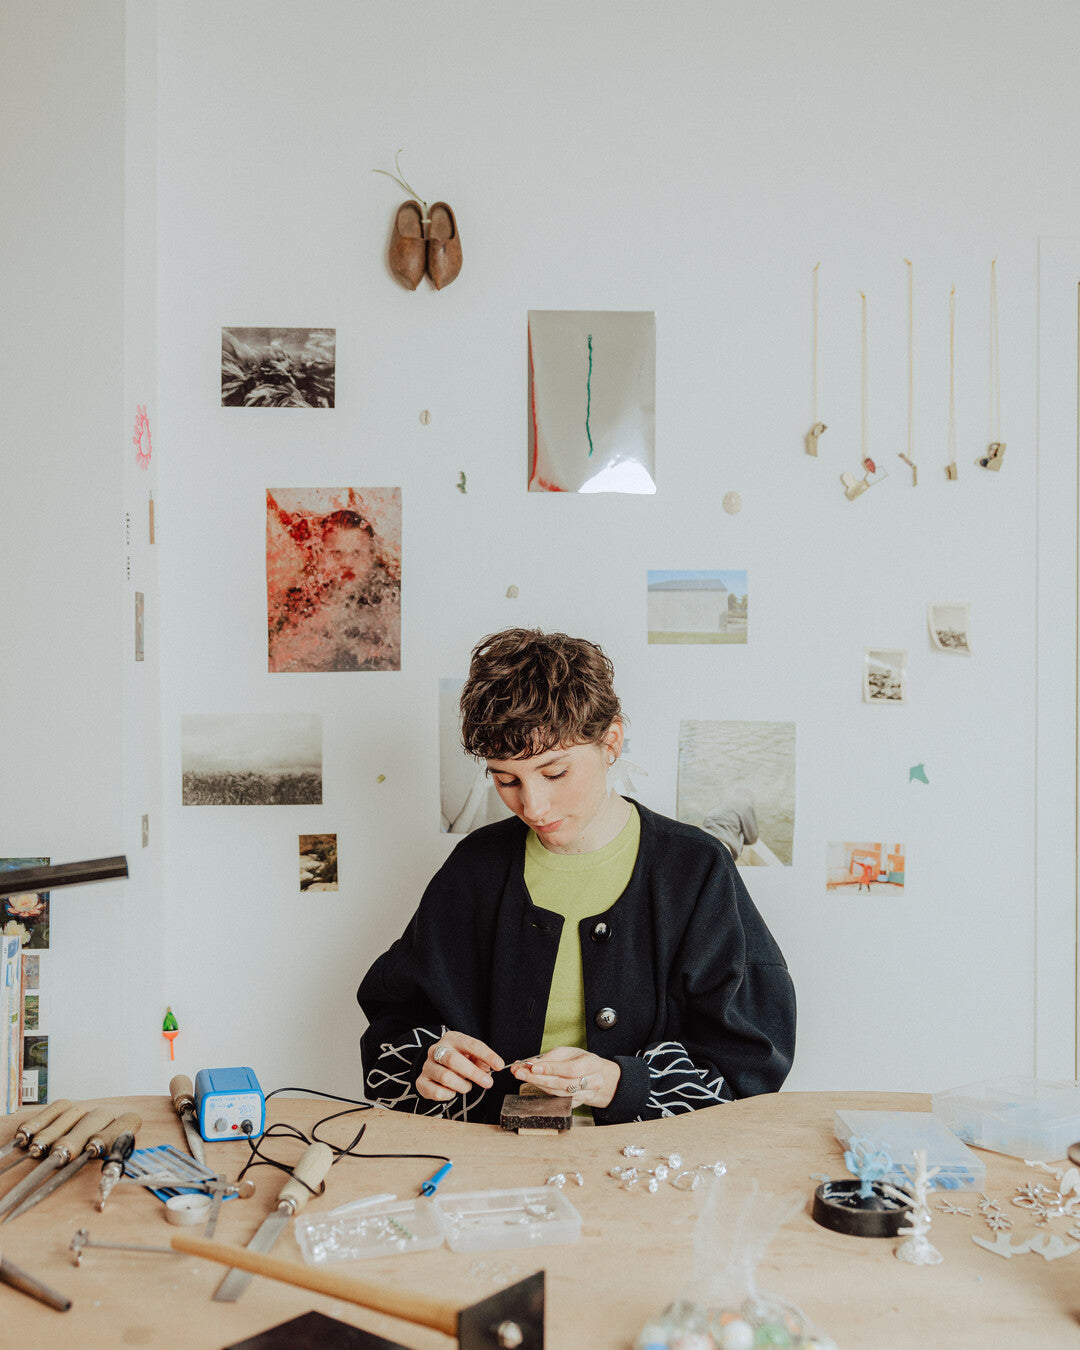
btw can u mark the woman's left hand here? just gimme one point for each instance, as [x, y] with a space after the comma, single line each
[567, 1071]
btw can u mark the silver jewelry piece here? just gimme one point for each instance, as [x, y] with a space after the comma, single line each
[440, 1052]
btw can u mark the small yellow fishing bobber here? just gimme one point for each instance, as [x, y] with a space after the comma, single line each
[170, 1030]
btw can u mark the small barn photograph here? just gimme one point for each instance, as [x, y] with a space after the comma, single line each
[697, 607]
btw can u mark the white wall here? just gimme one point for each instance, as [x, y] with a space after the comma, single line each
[65, 627]
[697, 160]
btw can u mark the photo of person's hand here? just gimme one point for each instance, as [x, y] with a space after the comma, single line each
[566, 1071]
[454, 1064]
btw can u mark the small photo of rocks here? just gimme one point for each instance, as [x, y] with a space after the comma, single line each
[950, 627]
[884, 675]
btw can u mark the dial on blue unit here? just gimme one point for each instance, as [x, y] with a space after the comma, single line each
[230, 1104]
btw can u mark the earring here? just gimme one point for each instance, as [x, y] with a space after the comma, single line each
[611, 760]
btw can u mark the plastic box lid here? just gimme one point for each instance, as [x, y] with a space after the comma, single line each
[478, 1221]
[900, 1133]
[1023, 1117]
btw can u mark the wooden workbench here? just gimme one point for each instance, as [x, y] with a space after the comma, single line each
[634, 1256]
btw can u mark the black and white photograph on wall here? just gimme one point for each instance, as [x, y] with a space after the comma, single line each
[251, 759]
[278, 367]
[884, 675]
[318, 862]
[737, 782]
[467, 795]
[950, 627]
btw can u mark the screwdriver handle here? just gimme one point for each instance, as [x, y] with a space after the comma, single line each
[75, 1140]
[314, 1164]
[105, 1138]
[121, 1149]
[56, 1130]
[182, 1093]
[45, 1116]
[112, 1169]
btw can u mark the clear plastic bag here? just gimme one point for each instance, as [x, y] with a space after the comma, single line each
[721, 1307]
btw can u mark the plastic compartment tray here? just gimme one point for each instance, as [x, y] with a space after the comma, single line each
[900, 1133]
[368, 1231]
[477, 1221]
[1024, 1117]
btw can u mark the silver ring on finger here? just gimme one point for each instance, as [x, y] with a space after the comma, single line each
[439, 1053]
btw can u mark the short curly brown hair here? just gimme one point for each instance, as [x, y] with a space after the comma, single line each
[530, 691]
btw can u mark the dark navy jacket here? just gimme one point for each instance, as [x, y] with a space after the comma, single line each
[685, 987]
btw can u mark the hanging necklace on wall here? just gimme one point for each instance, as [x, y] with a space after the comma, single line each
[995, 449]
[816, 428]
[872, 473]
[950, 468]
[909, 457]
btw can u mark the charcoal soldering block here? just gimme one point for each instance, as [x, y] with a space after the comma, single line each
[535, 1113]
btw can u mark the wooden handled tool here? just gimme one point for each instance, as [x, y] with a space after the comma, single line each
[63, 1150]
[96, 1146]
[182, 1093]
[307, 1175]
[27, 1131]
[422, 1308]
[112, 1169]
[183, 1101]
[56, 1129]
[484, 1324]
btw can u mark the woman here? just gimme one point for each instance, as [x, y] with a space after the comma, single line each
[588, 946]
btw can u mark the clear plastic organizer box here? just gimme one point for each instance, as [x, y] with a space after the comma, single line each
[356, 1231]
[900, 1133]
[1024, 1117]
[478, 1221]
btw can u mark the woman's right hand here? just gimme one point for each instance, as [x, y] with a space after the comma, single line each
[462, 1062]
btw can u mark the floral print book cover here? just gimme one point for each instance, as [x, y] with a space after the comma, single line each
[26, 913]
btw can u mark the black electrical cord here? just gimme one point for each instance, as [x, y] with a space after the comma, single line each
[283, 1130]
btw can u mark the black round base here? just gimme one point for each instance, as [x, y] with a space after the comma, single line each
[837, 1205]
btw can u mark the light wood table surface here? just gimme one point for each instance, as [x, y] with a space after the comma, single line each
[633, 1259]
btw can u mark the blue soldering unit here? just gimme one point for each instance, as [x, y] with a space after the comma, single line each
[229, 1104]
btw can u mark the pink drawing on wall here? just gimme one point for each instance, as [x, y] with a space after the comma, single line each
[141, 438]
[333, 578]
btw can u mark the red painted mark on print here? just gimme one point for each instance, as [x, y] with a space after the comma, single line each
[141, 438]
[537, 481]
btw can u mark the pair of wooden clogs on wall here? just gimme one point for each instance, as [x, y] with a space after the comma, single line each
[422, 244]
